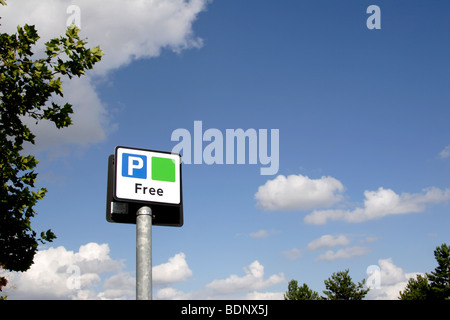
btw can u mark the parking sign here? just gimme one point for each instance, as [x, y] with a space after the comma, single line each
[147, 176]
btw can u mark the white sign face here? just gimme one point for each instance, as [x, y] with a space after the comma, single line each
[147, 176]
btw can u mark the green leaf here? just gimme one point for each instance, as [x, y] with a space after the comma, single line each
[38, 65]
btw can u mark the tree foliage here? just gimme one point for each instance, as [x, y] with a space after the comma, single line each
[300, 293]
[434, 285]
[440, 277]
[26, 87]
[416, 289]
[341, 287]
[338, 287]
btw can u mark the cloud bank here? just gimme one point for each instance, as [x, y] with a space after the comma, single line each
[298, 192]
[445, 153]
[58, 273]
[392, 279]
[381, 203]
[252, 280]
[247, 287]
[328, 241]
[125, 30]
[301, 193]
[91, 274]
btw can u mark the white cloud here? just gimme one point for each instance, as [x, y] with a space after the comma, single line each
[121, 286]
[91, 122]
[392, 280]
[328, 241]
[262, 233]
[255, 295]
[125, 30]
[381, 203]
[175, 270]
[61, 274]
[390, 273]
[259, 234]
[232, 287]
[58, 273]
[293, 253]
[172, 294]
[90, 273]
[140, 29]
[369, 240]
[298, 192]
[345, 253]
[445, 153]
[253, 280]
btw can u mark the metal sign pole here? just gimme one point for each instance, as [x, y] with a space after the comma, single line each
[144, 253]
[137, 180]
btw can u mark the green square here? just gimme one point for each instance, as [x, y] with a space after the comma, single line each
[163, 169]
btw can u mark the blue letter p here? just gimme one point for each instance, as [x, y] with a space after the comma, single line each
[134, 166]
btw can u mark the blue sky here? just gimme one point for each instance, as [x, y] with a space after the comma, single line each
[364, 156]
